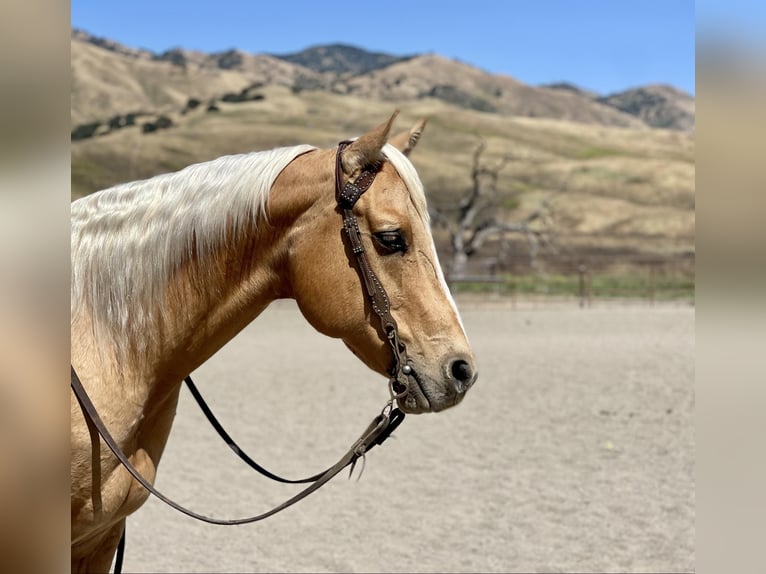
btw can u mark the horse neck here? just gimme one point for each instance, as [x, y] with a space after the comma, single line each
[169, 328]
[210, 299]
[213, 298]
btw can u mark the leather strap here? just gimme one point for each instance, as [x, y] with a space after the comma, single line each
[376, 433]
[120, 551]
[234, 446]
[347, 195]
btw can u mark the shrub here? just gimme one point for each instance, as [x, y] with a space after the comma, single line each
[244, 96]
[84, 131]
[163, 122]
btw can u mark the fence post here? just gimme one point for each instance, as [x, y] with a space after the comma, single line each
[582, 270]
[493, 275]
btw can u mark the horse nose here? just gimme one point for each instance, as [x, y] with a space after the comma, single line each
[462, 374]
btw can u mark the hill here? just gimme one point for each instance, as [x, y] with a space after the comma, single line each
[341, 59]
[107, 77]
[659, 106]
[619, 189]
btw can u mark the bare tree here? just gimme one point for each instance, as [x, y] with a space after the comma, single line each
[477, 218]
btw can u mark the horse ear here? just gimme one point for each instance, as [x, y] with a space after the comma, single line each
[407, 140]
[365, 150]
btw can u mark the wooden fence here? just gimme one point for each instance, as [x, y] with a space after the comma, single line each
[650, 280]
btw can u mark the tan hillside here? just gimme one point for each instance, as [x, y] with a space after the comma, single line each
[118, 80]
[659, 106]
[620, 191]
[458, 83]
[627, 190]
[109, 78]
[105, 83]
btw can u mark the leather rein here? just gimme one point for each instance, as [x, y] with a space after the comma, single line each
[376, 432]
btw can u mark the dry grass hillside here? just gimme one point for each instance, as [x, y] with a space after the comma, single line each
[107, 81]
[466, 86]
[618, 190]
[627, 190]
[109, 78]
[658, 106]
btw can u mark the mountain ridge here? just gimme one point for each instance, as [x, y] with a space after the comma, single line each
[620, 188]
[341, 59]
[158, 80]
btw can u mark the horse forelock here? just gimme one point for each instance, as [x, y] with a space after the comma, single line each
[410, 177]
[129, 239]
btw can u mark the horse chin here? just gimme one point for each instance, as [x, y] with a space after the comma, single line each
[426, 395]
[414, 402]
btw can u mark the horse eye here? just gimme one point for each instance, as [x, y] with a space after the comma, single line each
[391, 241]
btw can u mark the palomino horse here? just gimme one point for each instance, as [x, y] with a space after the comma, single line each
[166, 271]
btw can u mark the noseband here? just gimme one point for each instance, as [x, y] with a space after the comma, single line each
[347, 195]
[377, 431]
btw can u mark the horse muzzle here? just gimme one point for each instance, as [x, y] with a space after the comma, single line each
[417, 392]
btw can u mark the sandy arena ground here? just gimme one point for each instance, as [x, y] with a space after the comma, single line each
[573, 452]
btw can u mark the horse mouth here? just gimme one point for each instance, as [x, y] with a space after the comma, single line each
[415, 400]
[420, 393]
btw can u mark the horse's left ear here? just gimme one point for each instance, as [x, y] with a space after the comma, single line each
[365, 150]
[407, 140]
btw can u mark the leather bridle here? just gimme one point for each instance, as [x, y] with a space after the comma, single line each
[377, 431]
[347, 195]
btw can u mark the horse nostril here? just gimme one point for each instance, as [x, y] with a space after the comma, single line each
[462, 373]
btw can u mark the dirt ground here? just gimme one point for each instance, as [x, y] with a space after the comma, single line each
[573, 452]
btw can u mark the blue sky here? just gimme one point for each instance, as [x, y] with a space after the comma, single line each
[735, 21]
[601, 45]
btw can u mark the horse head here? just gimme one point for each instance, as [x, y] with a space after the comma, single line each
[395, 232]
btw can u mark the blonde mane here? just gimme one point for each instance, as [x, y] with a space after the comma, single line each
[128, 240]
[410, 177]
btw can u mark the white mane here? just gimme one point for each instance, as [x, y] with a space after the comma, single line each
[129, 239]
[411, 179]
